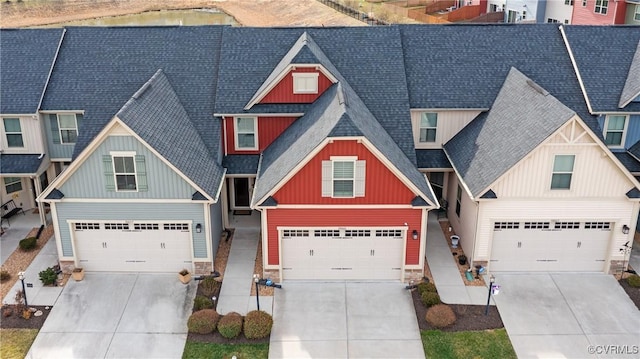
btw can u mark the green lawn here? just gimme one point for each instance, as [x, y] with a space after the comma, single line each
[481, 344]
[15, 343]
[226, 351]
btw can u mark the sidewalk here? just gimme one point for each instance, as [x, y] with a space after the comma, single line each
[238, 276]
[445, 271]
[16, 230]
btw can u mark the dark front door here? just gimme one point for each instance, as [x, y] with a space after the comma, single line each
[241, 192]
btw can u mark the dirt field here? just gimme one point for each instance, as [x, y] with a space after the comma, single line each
[22, 13]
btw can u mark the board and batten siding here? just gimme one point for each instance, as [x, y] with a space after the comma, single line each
[131, 212]
[449, 124]
[89, 179]
[31, 136]
[465, 224]
[58, 151]
[620, 211]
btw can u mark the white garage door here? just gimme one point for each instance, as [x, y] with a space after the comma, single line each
[342, 254]
[133, 247]
[550, 246]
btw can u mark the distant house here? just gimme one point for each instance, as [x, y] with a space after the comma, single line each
[599, 12]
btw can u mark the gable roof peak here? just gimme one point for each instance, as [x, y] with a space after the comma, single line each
[631, 88]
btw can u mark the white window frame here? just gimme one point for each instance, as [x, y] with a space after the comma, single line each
[345, 159]
[553, 173]
[427, 128]
[60, 128]
[601, 7]
[13, 182]
[636, 14]
[624, 131]
[128, 154]
[7, 133]
[305, 82]
[237, 132]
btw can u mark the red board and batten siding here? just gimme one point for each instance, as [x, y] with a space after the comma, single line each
[587, 16]
[381, 185]
[269, 128]
[283, 91]
[336, 217]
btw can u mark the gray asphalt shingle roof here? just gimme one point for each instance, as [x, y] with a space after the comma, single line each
[241, 164]
[27, 56]
[628, 161]
[604, 72]
[521, 118]
[157, 116]
[433, 158]
[20, 163]
[631, 88]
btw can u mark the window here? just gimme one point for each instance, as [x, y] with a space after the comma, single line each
[568, 2]
[552, 21]
[146, 226]
[536, 225]
[176, 227]
[597, 225]
[614, 133]
[13, 132]
[562, 171]
[394, 233]
[305, 82]
[437, 183]
[357, 233]
[84, 226]
[326, 233]
[12, 184]
[584, 3]
[566, 225]
[636, 16]
[68, 127]
[506, 225]
[288, 233]
[428, 127]
[343, 177]
[493, 8]
[601, 6]
[116, 226]
[458, 200]
[512, 16]
[246, 133]
[125, 172]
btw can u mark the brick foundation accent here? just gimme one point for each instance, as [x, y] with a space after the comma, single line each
[616, 266]
[203, 268]
[67, 266]
[414, 275]
[272, 274]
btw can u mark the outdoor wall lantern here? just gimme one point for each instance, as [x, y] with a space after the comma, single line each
[625, 229]
[198, 228]
[415, 234]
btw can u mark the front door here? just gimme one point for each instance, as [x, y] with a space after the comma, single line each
[241, 192]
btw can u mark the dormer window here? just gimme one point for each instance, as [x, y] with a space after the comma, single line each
[615, 126]
[305, 82]
[246, 129]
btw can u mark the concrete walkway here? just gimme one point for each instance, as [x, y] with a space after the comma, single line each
[15, 231]
[634, 260]
[445, 271]
[238, 276]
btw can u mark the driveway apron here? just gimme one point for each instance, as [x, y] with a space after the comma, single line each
[344, 320]
[568, 316]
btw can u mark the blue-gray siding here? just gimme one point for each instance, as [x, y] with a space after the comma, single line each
[131, 212]
[216, 227]
[633, 129]
[89, 180]
[56, 150]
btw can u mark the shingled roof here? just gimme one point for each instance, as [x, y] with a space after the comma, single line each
[631, 88]
[521, 118]
[604, 72]
[27, 56]
[157, 116]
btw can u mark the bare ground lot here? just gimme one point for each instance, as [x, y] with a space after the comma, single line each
[258, 13]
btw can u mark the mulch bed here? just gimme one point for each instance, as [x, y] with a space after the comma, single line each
[633, 293]
[15, 320]
[468, 317]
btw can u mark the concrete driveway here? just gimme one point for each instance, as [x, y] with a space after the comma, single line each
[568, 316]
[109, 315]
[344, 320]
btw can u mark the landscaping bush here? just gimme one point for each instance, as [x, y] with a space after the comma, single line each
[28, 244]
[48, 276]
[209, 286]
[426, 287]
[257, 324]
[4, 276]
[430, 299]
[634, 281]
[203, 321]
[201, 302]
[230, 326]
[440, 316]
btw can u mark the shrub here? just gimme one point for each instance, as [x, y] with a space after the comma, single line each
[4, 276]
[28, 244]
[203, 321]
[426, 287]
[209, 286]
[440, 316]
[430, 299]
[230, 325]
[48, 276]
[634, 280]
[201, 302]
[257, 324]
[7, 312]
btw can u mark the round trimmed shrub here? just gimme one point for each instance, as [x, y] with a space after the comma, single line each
[230, 326]
[257, 324]
[28, 244]
[4, 276]
[209, 286]
[203, 321]
[440, 316]
[426, 287]
[430, 299]
[634, 280]
[201, 302]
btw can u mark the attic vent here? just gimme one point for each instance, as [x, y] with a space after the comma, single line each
[142, 90]
[537, 87]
